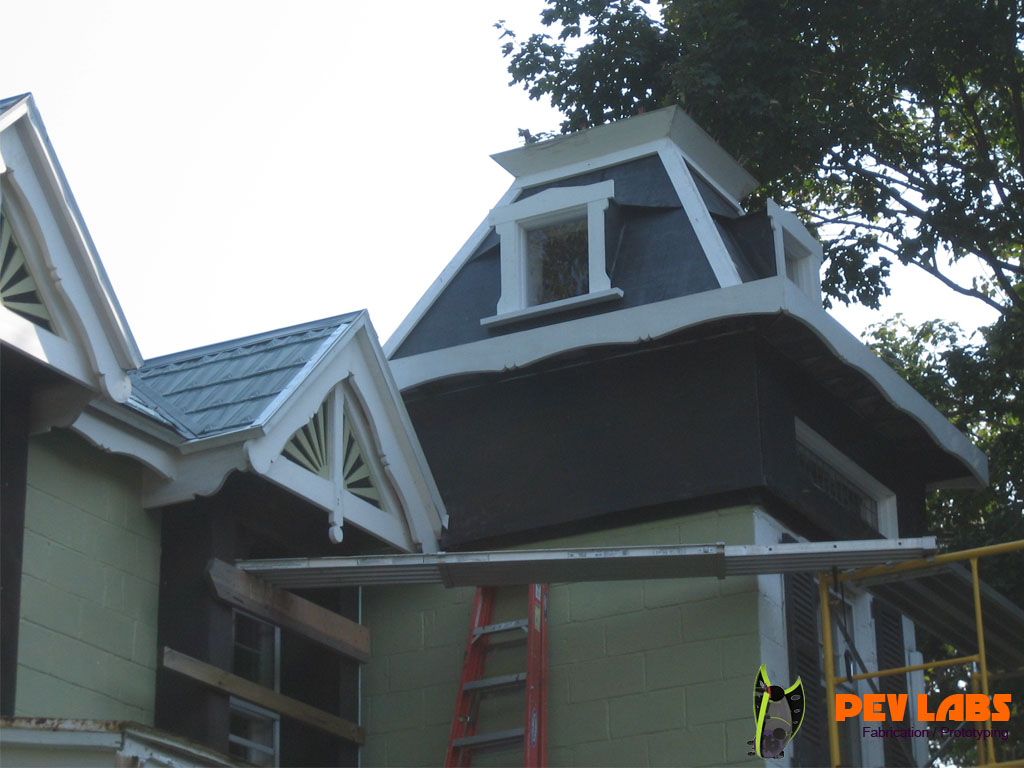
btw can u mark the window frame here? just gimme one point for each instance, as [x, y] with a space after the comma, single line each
[551, 206]
[855, 475]
[254, 711]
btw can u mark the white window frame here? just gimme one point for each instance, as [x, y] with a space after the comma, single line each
[798, 254]
[552, 206]
[248, 709]
[857, 476]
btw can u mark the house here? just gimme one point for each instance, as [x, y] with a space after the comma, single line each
[619, 355]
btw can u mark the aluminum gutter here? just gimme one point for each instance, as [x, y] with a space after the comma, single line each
[463, 569]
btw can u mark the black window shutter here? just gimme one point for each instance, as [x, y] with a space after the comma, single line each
[810, 748]
[889, 645]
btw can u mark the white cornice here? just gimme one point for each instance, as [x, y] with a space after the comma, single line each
[672, 123]
[650, 321]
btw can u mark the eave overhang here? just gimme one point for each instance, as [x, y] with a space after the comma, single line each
[766, 298]
[185, 467]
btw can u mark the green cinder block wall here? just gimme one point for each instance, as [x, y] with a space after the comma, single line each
[642, 673]
[90, 586]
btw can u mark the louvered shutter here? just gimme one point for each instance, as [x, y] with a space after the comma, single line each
[810, 748]
[889, 645]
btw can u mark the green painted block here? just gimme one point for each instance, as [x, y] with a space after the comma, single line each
[107, 629]
[614, 754]
[736, 525]
[395, 626]
[113, 589]
[394, 712]
[604, 678]
[141, 599]
[650, 712]
[718, 702]
[735, 585]
[439, 703]
[558, 604]
[144, 646]
[579, 641]
[684, 664]
[374, 676]
[35, 646]
[415, 670]
[692, 747]
[662, 592]
[731, 615]
[738, 733]
[446, 625]
[595, 600]
[570, 724]
[740, 653]
[47, 606]
[643, 631]
[53, 518]
[560, 757]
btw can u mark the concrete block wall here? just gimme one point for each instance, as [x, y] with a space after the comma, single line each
[90, 584]
[642, 673]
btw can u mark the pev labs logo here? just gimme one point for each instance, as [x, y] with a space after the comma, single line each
[960, 707]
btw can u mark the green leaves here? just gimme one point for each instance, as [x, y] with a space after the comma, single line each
[899, 124]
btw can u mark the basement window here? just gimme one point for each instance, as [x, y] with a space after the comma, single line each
[553, 254]
[852, 489]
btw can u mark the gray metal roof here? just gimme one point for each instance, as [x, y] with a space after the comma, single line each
[10, 101]
[228, 386]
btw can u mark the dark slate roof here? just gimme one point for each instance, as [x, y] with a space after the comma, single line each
[227, 386]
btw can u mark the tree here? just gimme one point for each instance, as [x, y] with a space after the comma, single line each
[896, 126]
[977, 384]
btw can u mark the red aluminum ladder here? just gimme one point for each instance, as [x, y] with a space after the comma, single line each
[533, 735]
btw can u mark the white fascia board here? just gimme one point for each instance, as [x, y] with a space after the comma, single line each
[562, 152]
[67, 271]
[447, 275]
[700, 218]
[108, 309]
[637, 324]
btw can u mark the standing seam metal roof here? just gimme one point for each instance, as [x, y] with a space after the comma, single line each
[225, 387]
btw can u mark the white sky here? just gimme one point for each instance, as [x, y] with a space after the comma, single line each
[244, 166]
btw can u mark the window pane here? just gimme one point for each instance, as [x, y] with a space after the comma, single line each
[557, 261]
[253, 735]
[254, 650]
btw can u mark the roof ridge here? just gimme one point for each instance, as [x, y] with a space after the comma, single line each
[219, 346]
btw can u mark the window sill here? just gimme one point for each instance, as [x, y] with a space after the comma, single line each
[574, 302]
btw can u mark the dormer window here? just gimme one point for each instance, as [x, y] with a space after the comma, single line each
[553, 253]
[797, 254]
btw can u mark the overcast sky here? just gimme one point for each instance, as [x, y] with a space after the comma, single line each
[244, 166]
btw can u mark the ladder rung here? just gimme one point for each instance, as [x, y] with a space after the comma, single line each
[490, 739]
[504, 626]
[493, 683]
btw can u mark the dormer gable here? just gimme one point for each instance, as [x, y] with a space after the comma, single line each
[56, 303]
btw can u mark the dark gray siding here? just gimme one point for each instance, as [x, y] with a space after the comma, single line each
[652, 254]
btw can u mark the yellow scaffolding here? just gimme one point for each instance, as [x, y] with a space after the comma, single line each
[986, 751]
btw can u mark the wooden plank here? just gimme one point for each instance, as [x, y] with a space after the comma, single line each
[207, 674]
[288, 610]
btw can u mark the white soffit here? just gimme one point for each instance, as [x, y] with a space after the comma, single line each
[464, 569]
